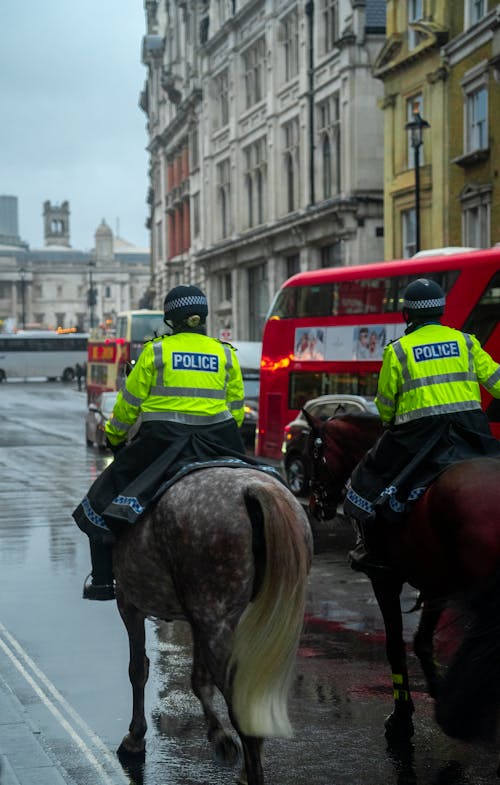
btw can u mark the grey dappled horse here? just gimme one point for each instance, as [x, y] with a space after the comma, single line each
[228, 550]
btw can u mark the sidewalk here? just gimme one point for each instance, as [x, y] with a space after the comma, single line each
[23, 759]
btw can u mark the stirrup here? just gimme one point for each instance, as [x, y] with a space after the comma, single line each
[97, 591]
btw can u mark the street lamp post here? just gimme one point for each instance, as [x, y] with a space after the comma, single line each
[22, 274]
[416, 129]
[91, 297]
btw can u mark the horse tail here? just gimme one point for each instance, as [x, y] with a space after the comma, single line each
[266, 638]
[469, 696]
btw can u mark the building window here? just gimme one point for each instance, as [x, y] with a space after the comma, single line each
[60, 317]
[59, 291]
[291, 163]
[414, 105]
[409, 232]
[476, 120]
[415, 14]
[474, 11]
[292, 265]
[224, 288]
[289, 35]
[221, 93]
[258, 300]
[196, 214]
[329, 133]
[223, 194]
[254, 71]
[331, 255]
[255, 156]
[476, 216]
[329, 25]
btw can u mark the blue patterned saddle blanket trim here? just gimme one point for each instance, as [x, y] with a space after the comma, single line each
[231, 463]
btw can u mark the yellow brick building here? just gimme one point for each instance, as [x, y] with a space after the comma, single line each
[441, 59]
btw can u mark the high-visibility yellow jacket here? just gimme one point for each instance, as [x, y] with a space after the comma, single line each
[434, 370]
[185, 378]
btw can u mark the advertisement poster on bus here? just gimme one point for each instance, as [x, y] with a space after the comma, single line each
[344, 344]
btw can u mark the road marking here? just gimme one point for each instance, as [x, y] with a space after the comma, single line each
[13, 649]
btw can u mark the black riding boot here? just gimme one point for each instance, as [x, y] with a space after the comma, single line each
[366, 553]
[100, 586]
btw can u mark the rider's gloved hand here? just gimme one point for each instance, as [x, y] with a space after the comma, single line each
[115, 448]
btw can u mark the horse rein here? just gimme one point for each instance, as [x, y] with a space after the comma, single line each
[319, 492]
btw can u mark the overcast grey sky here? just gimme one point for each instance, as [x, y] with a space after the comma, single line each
[70, 124]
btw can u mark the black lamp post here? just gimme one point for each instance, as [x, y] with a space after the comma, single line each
[416, 129]
[92, 296]
[22, 273]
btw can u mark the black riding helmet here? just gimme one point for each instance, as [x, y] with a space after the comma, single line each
[423, 298]
[185, 306]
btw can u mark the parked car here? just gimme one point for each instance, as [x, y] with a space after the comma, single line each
[296, 464]
[97, 414]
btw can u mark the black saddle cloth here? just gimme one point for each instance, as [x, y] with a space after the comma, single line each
[397, 471]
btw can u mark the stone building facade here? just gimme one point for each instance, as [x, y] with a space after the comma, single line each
[443, 59]
[50, 287]
[266, 146]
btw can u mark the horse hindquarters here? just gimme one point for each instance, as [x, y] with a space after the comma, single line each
[469, 696]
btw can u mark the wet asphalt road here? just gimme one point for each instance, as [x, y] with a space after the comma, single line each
[66, 660]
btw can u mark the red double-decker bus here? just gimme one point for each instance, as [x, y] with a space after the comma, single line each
[326, 330]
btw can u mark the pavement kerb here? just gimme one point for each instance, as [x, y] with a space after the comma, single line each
[24, 760]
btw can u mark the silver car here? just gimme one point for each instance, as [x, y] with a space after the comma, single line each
[296, 464]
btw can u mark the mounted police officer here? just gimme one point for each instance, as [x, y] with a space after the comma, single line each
[429, 400]
[188, 389]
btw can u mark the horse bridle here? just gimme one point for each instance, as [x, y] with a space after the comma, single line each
[319, 492]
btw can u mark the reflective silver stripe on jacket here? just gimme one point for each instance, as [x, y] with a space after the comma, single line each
[189, 392]
[236, 404]
[444, 408]
[441, 378]
[385, 401]
[133, 400]
[158, 358]
[493, 379]
[122, 426]
[187, 419]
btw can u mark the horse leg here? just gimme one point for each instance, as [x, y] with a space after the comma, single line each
[224, 747]
[423, 645]
[133, 743]
[252, 773]
[399, 724]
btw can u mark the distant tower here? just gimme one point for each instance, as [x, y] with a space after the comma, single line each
[103, 243]
[9, 233]
[56, 224]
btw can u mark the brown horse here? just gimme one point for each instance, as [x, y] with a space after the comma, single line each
[447, 547]
[228, 550]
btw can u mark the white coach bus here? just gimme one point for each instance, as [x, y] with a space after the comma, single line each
[41, 354]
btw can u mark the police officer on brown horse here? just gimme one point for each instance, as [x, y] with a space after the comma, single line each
[429, 399]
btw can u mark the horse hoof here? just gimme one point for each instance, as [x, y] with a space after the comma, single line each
[226, 751]
[131, 748]
[398, 728]
[242, 779]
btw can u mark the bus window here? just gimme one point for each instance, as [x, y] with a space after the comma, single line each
[483, 318]
[304, 385]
